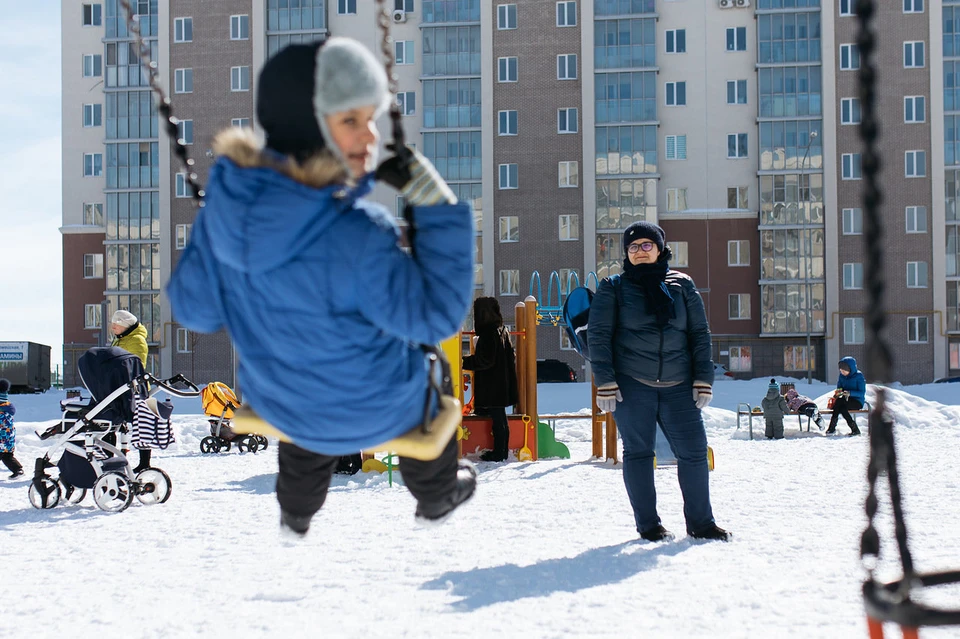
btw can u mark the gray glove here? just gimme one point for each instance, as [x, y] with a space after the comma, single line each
[607, 397]
[702, 394]
[417, 179]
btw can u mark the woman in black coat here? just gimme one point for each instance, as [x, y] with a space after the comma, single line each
[495, 372]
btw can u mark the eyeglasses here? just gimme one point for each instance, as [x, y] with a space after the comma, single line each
[646, 247]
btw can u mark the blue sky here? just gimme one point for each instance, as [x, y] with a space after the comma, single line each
[31, 297]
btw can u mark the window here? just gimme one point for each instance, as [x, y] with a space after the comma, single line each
[849, 57]
[407, 101]
[676, 41]
[913, 55]
[736, 145]
[507, 123]
[850, 111]
[566, 14]
[92, 115]
[736, 39]
[569, 174]
[183, 340]
[239, 78]
[92, 164]
[185, 131]
[183, 81]
[93, 266]
[403, 50]
[955, 355]
[182, 187]
[567, 120]
[795, 358]
[848, 7]
[853, 276]
[506, 16]
[569, 228]
[736, 91]
[738, 253]
[738, 306]
[917, 330]
[510, 282]
[914, 109]
[182, 236]
[403, 5]
[93, 214]
[92, 65]
[850, 166]
[740, 359]
[916, 219]
[677, 199]
[242, 123]
[676, 147]
[508, 176]
[183, 29]
[565, 343]
[737, 197]
[346, 7]
[916, 275]
[681, 254]
[509, 228]
[676, 93]
[567, 66]
[853, 330]
[92, 15]
[91, 316]
[915, 163]
[240, 27]
[506, 69]
[913, 6]
[852, 221]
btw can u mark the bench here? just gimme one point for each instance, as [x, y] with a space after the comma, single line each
[745, 409]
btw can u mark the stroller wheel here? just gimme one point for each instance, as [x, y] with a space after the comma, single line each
[49, 497]
[248, 443]
[209, 444]
[71, 494]
[224, 445]
[262, 441]
[154, 486]
[113, 492]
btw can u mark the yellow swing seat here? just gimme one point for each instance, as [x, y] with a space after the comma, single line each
[418, 443]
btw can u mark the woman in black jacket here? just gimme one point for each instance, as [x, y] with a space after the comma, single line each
[495, 372]
[651, 356]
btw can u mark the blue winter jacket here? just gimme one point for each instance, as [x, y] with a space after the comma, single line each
[854, 382]
[325, 310]
[625, 339]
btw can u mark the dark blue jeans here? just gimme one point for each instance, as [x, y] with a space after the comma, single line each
[680, 419]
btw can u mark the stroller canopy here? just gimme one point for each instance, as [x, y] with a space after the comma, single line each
[104, 369]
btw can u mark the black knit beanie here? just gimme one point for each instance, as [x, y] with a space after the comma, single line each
[644, 229]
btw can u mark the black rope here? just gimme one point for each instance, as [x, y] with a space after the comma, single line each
[164, 106]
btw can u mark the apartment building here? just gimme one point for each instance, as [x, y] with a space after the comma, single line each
[732, 123]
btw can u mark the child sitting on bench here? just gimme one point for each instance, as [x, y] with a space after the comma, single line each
[803, 405]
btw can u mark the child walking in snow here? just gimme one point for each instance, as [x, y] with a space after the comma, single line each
[774, 408]
[326, 310]
[8, 434]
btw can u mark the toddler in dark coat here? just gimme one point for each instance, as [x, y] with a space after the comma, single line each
[8, 434]
[774, 408]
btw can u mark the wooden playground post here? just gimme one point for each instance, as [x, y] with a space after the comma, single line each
[603, 422]
[530, 357]
[520, 319]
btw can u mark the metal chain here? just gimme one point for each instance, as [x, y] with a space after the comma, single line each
[383, 21]
[164, 106]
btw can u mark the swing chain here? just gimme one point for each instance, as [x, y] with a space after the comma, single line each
[383, 21]
[164, 105]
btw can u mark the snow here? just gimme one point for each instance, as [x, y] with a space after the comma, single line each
[546, 549]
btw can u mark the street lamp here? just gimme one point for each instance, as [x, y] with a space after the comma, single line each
[806, 250]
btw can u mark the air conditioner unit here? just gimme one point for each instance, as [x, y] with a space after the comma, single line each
[399, 15]
[726, 4]
[743, 3]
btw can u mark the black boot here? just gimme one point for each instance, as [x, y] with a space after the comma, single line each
[854, 431]
[144, 461]
[712, 533]
[299, 525]
[437, 513]
[12, 464]
[657, 533]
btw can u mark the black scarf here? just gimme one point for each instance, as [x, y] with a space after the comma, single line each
[651, 278]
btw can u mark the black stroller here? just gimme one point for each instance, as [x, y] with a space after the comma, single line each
[92, 437]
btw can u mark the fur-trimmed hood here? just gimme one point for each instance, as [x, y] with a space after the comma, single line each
[263, 208]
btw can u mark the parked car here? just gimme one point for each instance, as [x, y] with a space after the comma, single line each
[947, 380]
[720, 371]
[554, 370]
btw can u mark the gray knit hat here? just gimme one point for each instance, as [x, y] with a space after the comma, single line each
[125, 319]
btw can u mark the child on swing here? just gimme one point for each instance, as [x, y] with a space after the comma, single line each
[326, 311]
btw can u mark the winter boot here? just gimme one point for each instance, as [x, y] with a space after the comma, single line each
[438, 512]
[12, 464]
[296, 524]
[712, 533]
[144, 461]
[657, 533]
[854, 430]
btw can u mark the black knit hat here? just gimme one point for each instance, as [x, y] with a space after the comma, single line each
[4, 385]
[644, 229]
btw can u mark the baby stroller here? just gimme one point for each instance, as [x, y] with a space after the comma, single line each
[219, 402]
[91, 437]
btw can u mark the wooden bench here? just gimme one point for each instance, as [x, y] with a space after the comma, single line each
[745, 409]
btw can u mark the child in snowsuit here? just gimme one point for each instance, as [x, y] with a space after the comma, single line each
[326, 311]
[850, 395]
[805, 406]
[774, 408]
[8, 434]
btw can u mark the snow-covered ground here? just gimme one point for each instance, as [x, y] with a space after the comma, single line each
[546, 549]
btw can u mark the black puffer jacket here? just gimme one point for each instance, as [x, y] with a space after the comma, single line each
[495, 368]
[625, 338]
